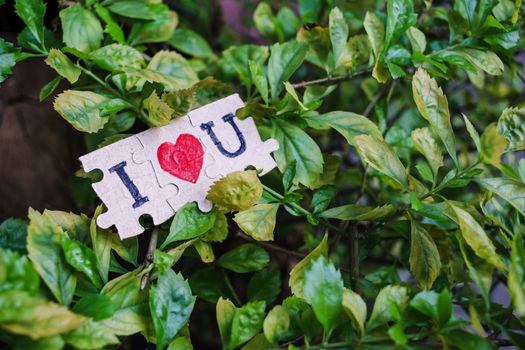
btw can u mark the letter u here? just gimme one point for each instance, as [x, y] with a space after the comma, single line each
[228, 118]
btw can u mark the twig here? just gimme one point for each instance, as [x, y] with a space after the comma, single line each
[329, 80]
[354, 255]
[149, 256]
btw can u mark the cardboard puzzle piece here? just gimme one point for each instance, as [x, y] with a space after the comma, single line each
[128, 190]
[161, 169]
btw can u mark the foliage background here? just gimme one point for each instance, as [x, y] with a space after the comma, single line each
[439, 209]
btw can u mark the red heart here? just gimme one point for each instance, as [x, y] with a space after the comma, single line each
[182, 159]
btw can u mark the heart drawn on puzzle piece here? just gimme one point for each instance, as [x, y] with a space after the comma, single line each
[182, 159]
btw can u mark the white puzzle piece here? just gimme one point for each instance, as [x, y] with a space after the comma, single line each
[161, 169]
[128, 190]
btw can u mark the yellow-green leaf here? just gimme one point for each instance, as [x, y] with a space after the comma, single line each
[176, 67]
[276, 324]
[91, 335]
[236, 191]
[355, 307]
[158, 112]
[296, 281]
[390, 294]
[492, 145]
[425, 262]
[433, 106]
[428, 147]
[486, 60]
[35, 317]
[476, 237]
[63, 65]
[479, 269]
[225, 311]
[205, 251]
[258, 221]
[378, 154]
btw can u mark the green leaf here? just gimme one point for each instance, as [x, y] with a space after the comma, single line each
[284, 61]
[171, 304]
[130, 302]
[82, 258]
[9, 55]
[175, 67]
[437, 306]
[323, 290]
[296, 145]
[180, 343]
[247, 322]
[49, 88]
[239, 58]
[355, 308]
[112, 27]
[209, 284]
[32, 13]
[400, 17]
[91, 335]
[428, 147]
[44, 244]
[13, 233]
[510, 126]
[378, 154]
[244, 258]
[35, 317]
[509, 189]
[476, 238]
[417, 39]
[310, 10]
[190, 43]
[83, 109]
[189, 222]
[63, 65]
[433, 106]
[265, 285]
[159, 30]
[296, 281]
[135, 9]
[392, 294]
[96, 306]
[465, 340]
[356, 212]
[264, 20]
[17, 273]
[338, 34]
[492, 145]
[376, 32]
[258, 77]
[485, 60]
[180, 101]
[347, 124]
[81, 28]
[236, 191]
[425, 262]
[114, 56]
[258, 221]
[219, 231]
[225, 311]
[101, 242]
[516, 278]
[17, 342]
[276, 324]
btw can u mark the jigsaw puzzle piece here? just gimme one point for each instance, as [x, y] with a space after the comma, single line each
[234, 144]
[179, 158]
[128, 190]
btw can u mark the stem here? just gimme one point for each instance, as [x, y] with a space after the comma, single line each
[149, 256]
[354, 255]
[330, 80]
[230, 288]
[279, 196]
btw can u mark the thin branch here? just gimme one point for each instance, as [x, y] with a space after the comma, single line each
[149, 256]
[330, 80]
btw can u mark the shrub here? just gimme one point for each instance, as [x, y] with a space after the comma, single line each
[397, 206]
